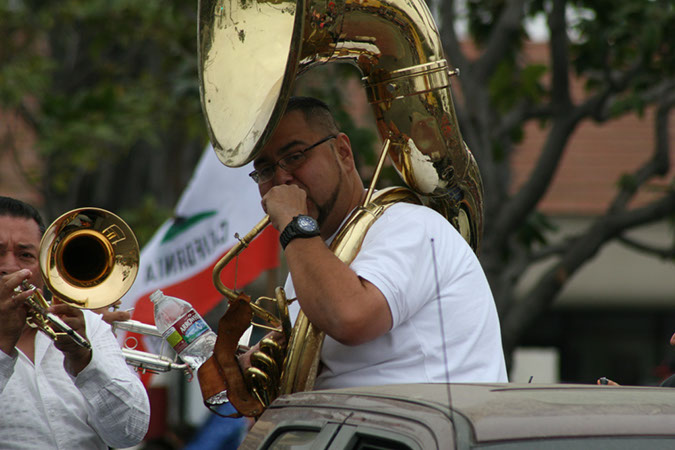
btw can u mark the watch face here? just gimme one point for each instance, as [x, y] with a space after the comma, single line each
[307, 223]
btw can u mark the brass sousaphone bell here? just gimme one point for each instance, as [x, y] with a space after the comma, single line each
[89, 259]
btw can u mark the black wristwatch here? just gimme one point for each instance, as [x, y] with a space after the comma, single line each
[300, 227]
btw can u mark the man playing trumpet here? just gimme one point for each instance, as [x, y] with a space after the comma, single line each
[56, 393]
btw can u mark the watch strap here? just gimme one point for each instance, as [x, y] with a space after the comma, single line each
[293, 231]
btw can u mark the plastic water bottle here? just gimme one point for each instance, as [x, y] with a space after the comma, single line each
[184, 329]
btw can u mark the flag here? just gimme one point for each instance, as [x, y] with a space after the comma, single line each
[218, 203]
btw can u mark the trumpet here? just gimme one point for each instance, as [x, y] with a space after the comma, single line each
[88, 258]
[47, 322]
[145, 361]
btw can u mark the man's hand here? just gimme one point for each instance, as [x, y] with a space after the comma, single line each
[13, 309]
[244, 359]
[76, 357]
[114, 315]
[284, 202]
[607, 382]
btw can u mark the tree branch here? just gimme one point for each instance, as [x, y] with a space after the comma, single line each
[507, 26]
[559, 48]
[521, 113]
[448, 36]
[598, 106]
[565, 120]
[525, 200]
[652, 250]
[658, 164]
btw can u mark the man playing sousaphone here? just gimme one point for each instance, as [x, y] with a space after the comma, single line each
[380, 313]
[56, 393]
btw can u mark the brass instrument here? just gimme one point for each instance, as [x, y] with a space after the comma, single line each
[397, 48]
[146, 361]
[51, 324]
[88, 259]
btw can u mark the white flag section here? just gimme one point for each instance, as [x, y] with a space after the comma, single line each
[179, 259]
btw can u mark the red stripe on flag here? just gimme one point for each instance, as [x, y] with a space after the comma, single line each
[262, 254]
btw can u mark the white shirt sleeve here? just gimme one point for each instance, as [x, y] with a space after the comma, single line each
[119, 409]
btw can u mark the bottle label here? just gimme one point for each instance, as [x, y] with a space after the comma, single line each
[185, 331]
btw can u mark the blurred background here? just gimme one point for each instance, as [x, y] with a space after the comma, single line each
[567, 106]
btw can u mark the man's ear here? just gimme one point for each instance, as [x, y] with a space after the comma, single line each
[344, 151]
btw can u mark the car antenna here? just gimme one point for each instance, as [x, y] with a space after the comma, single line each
[440, 317]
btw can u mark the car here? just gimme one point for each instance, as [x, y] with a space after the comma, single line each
[470, 416]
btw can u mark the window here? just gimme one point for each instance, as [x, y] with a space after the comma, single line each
[377, 443]
[371, 438]
[294, 439]
[301, 436]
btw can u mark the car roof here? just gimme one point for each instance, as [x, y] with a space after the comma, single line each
[505, 411]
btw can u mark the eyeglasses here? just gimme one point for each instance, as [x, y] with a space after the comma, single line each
[289, 163]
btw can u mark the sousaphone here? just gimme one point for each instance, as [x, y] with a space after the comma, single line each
[250, 54]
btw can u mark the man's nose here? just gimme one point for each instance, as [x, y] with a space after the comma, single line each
[282, 176]
[8, 263]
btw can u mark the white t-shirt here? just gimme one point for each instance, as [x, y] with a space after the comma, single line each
[425, 269]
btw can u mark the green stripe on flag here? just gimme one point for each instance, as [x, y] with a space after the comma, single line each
[180, 226]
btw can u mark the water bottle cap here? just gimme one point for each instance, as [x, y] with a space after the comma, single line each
[156, 296]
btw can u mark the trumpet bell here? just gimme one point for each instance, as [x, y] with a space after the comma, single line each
[89, 258]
